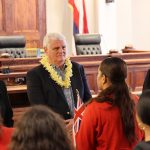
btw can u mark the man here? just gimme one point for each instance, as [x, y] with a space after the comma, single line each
[54, 83]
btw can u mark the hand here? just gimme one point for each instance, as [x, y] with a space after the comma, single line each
[69, 126]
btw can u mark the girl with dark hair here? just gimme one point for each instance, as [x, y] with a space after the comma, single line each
[109, 122]
[143, 118]
[40, 129]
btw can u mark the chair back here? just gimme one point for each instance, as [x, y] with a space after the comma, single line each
[87, 44]
[13, 45]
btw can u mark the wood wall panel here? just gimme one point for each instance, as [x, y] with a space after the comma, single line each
[137, 69]
[24, 17]
[137, 76]
[9, 19]
[92, 82]
[91, 73]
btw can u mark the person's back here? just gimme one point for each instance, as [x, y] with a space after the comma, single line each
[107, 128]
[5, 137]
[109, 121]
[143, 118]
[5, 118]
[5, 107]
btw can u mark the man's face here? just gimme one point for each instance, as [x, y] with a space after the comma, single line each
[56, 52]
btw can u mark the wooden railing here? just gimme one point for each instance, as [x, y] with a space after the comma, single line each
[138, 64]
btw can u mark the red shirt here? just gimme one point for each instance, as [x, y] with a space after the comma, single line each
[101, 129]
[5, 137]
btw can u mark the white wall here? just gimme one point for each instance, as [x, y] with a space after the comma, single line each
[120, 23]
[125, 22]
[92, 11]
[60, 19]
[141, 24]
[58, 16]
[107, 25]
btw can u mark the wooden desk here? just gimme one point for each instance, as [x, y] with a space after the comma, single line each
[12, 75]
[17, 89]
[138, 64]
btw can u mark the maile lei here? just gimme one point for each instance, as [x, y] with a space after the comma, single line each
[55, 76]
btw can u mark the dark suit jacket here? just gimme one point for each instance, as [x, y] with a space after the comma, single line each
[146, 84]
[42, 89]
[5, 107]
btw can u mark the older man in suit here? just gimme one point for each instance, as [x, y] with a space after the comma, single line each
[55, 81]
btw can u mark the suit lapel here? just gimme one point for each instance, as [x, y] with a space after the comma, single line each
[74, 86]
[54, 84]
[59, 90]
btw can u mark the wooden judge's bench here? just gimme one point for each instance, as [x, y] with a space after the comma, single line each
[138, 64]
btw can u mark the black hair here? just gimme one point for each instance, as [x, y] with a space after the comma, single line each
[143, 107]
[40, 128]
[115, 69]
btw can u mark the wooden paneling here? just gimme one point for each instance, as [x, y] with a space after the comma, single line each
[23, 20]
[24, 17]
[137, 74]
[137, 69]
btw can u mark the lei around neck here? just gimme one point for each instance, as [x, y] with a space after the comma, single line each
[66, 83]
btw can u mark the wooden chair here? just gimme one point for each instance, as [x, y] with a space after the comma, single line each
[13, 45]
[87, 44]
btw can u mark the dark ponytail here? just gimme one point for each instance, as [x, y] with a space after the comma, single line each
[117, 94]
